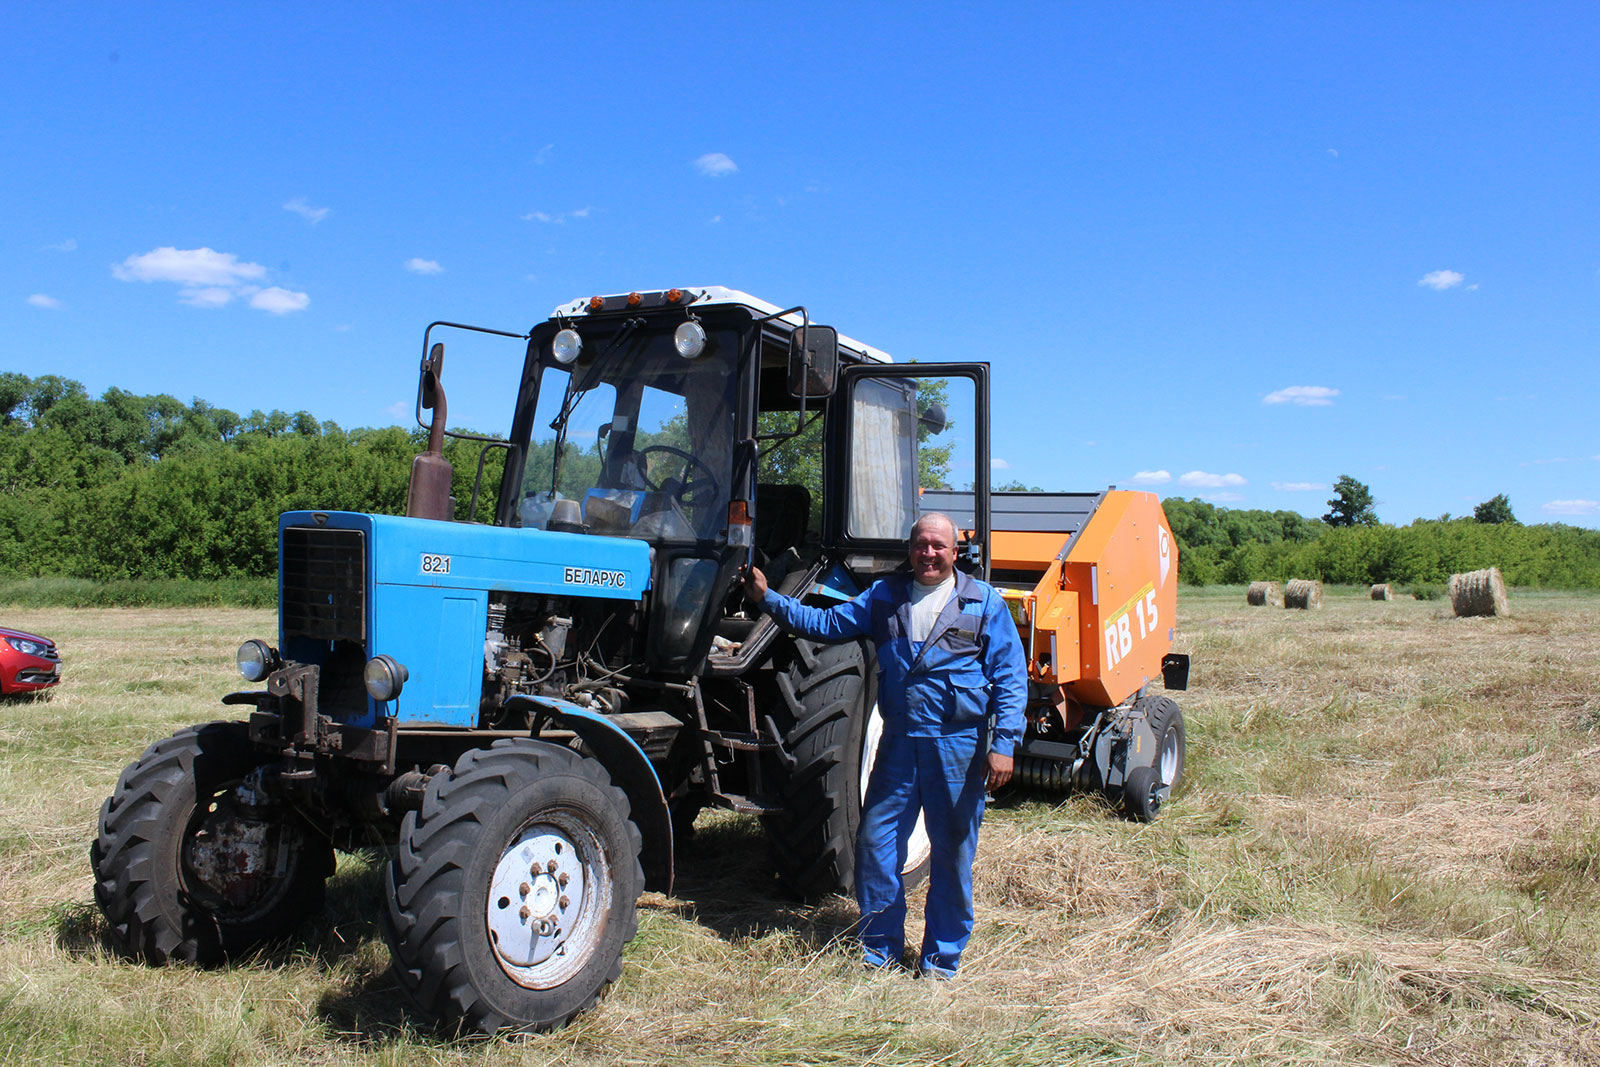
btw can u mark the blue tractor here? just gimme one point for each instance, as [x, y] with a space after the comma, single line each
[525, 713]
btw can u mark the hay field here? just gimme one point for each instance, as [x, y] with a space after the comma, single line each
[1388, 852]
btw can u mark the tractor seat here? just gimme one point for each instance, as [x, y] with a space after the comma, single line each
[783, 512]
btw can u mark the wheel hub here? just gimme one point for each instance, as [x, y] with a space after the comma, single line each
[535, 898]
[1167, 761]
[235, 855]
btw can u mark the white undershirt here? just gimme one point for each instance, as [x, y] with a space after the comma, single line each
[926, 603]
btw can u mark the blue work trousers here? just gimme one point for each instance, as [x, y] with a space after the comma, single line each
[944, 778]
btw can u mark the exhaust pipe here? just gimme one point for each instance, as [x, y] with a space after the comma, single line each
[429, 493]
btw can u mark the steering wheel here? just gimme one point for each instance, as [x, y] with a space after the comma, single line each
[687, 487]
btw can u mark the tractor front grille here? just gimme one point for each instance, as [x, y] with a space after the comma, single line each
[324, 585]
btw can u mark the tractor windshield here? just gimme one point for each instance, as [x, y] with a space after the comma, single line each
[639, 436]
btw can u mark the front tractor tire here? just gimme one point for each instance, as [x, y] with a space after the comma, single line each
[831, 728]
[514, 889]
[191, 864]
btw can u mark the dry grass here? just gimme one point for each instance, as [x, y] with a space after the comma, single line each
[1388, 851]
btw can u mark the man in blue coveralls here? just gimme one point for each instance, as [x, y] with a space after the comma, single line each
[951, 671]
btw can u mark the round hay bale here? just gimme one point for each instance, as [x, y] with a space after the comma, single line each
[1479, 593]
[1382, 592]
[1264, 594]
[1303, 594]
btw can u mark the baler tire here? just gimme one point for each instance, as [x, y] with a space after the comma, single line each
[1166, 722]
[829, 694]
[158, 906]
[1141, 794]
[478, 825]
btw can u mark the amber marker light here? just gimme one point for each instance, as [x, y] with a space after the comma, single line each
[741, 532]
[674, 295]
[596, 303]
[633, 300]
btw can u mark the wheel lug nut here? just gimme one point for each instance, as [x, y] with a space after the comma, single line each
[564, 879]
[551, 867]
[524, 888]
[525, 913]
[564, 901]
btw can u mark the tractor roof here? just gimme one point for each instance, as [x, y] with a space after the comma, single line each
[711, 295]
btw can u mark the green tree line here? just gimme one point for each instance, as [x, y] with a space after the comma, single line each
[1237, 545]
[148, 487]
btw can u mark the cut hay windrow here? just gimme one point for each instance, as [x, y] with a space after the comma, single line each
[1383, 592]
[1303, 593]
[1479, 593]
[1264, 594]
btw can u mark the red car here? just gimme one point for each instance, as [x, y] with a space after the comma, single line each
[27, 662]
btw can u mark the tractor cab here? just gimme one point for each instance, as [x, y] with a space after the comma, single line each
[712, 425]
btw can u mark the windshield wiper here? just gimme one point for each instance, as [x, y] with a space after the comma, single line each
[575, 392]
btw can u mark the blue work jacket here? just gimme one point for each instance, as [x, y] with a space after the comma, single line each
[969, 674]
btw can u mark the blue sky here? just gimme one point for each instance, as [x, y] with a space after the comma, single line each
[1229, 251]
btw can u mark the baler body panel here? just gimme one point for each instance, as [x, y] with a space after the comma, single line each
[1124, 568]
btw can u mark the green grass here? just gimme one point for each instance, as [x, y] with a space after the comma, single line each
[1386, 851]
[138, 593]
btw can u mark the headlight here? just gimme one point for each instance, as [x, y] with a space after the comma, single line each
[689, 339]
[384, 677]
[256, 660]
[566, 346]
[26, 647]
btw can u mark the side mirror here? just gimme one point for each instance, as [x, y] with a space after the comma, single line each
[432, 368]
[934, 419]
[813, 361]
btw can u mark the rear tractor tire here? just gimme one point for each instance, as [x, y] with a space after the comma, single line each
[191, 864]
[514, 889]
[831, 727]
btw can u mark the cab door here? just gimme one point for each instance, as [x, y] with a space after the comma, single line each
[897, 429]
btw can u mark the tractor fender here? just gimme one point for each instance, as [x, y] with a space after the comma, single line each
[630, 771]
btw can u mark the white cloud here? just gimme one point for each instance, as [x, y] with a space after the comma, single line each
[542, 156]
[423, 266]
[1151, 477]
[69, 245]
[715, 165]
[299, 206]
[1298, 487]
[715, 219]
[558, 216]
[211, 296]
[1572, 507]
[1221, 498]
[1306, 396]
[1334, 152]
[999, 464]
[279, 301]
[1203, 480]
[402, 410]
[208, 278]
[1442, 279]
[187, 266]
[40, 300]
